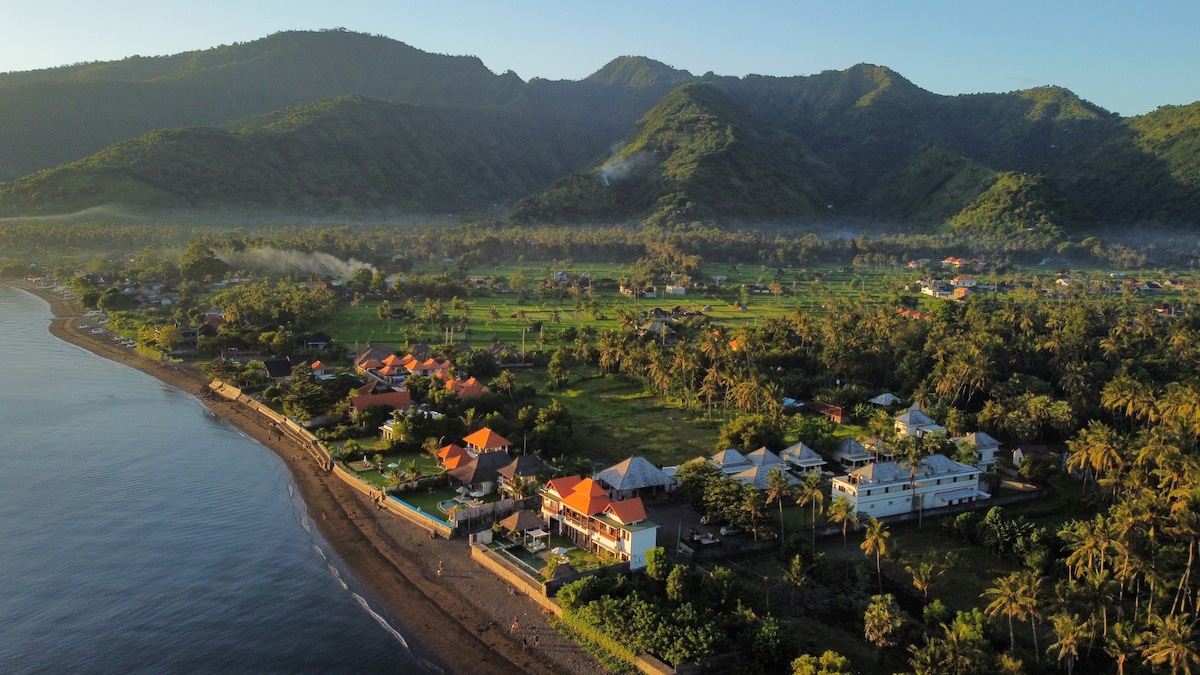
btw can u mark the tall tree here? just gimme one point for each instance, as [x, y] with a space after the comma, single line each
[1173, 644]
[1004, 598]
[778, 489]
[842, 512]
[1071, 633]
[812, 492]
[875, 542]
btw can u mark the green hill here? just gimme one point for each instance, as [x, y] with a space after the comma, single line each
[341, 155]
[49, 117]
[694, 155]
[1016, 207]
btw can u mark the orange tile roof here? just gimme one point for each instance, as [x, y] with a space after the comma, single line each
[456, 461]
[396, 399]
[468, 388]
[486, 439]
[587, 498]
[627, 511]
[317, 365]
[563, 486]
[449, 450]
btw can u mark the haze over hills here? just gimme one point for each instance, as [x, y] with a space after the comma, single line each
[338, 122]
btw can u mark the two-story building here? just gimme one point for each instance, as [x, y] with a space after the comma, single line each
[914, 422]
[581, 510]
[891, 488]
[987, 448]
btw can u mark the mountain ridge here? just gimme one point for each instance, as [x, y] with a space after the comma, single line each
[863, 142]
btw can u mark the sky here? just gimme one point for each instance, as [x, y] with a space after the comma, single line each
[1128, 57]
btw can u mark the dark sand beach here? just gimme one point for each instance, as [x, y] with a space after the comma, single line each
[459, 622]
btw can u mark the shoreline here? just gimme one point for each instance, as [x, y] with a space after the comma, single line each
[456, 622]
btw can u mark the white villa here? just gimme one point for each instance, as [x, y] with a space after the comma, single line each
[802, 459]
[852, 454]
[914, 422]
[986, 446]
[889, 488]
[752, 468]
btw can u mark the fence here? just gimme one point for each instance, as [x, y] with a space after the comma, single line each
[480, 517]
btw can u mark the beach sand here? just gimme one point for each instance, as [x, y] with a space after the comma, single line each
[459, 622]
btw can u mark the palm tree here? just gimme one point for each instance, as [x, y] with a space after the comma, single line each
[928, 569]
[505, 382]
[1120, 644]
[1005, 598]
[432, 445]
[752, 506]
[1071, 633]
[1173, 644]
[811, 493]
[469, 418]
[875, 541]
[795, 576]
[710, 388]
[841, 511]
[1031, 601]
[411, 472]
[1088, 542]
[930, 658]
[778, 489]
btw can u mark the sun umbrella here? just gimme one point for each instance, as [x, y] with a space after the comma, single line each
[558, 550]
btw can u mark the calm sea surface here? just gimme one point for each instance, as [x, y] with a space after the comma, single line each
[140, 534]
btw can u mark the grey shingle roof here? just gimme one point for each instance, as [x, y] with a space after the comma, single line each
[634, 473]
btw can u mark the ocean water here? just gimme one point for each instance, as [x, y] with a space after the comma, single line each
[140, 534]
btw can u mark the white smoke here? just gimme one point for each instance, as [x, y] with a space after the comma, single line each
[620, 167]
[267, 259]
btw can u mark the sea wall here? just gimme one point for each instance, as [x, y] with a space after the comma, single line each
[302, 437]
[279, 424]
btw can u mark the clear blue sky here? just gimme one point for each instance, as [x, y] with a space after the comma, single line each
[1129, 57]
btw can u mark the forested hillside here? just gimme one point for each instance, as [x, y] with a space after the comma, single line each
[268, 125]
[340, 155]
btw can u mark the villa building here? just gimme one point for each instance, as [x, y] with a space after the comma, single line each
[890, 488]
[914, 422]
[852, 454]
[581, 510]
[636, 477]
[986, 446]
[485, 440]
[802, 459]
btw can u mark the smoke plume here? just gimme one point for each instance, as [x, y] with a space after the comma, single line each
[267, 259]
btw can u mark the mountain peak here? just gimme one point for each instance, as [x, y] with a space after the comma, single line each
[1058, 103]
[638, 72]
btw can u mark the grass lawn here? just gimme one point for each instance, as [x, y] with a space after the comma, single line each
[615, 418]
[427, 501]
[960, 586]
[425, 464]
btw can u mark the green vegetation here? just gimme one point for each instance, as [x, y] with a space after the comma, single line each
[1018, 210]
[376, 126]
